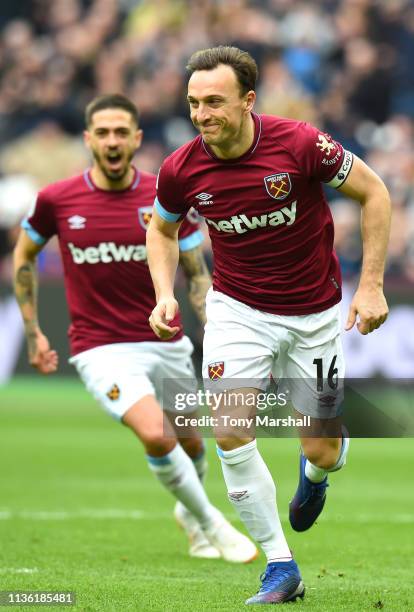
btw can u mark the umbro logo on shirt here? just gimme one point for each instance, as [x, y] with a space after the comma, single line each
[204, 196]
[204, 199]
[77, 222]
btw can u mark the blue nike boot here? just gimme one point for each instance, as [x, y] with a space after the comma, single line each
[308, 501]
[281, 582]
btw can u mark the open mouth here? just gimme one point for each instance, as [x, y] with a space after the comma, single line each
[114, 160]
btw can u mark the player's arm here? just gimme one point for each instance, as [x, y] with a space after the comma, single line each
[363, 185]
[198, 278]
[163, 256]
[25, 288]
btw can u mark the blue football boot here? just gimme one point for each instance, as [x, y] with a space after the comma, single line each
[281, 582]
[308, 501]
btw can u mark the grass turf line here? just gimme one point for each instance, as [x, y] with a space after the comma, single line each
[60, 454]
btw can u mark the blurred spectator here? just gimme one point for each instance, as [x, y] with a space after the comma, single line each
[17, 195]
[346, 215]
[47, 152]
[344, 65]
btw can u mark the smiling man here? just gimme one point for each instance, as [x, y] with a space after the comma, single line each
[273, 308]
[100, 219]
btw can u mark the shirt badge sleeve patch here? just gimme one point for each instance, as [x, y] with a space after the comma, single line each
[114, 393]
[278, 186]
[326, 146]
[216, 370]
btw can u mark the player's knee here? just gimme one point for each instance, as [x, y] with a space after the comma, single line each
[156, 444]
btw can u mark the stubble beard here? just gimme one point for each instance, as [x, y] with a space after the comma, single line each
[227, 136]
[113, 177]
[212, 139]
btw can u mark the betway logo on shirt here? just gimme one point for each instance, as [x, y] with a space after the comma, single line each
[107, 252]
[242, 223]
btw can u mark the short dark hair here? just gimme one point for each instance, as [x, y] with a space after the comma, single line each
[111, 101]
[242, 63]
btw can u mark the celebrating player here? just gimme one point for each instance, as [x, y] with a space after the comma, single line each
[274, 306]
[100, 219]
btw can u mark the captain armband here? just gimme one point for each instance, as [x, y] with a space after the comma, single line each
[343, 171]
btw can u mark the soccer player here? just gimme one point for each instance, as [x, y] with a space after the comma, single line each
[273, 308]
[100, 219]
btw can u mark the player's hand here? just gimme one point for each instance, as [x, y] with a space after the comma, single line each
[164, 312]
[371, 307]
[41, 356]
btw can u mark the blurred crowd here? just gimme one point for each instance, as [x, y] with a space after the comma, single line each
[344, 65]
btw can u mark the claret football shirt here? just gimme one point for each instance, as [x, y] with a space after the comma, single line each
[270, 225]
[102, 241]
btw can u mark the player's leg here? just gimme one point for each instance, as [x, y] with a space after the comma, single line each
[238, 356]
[168, 460]
[315, 371]
[310, 497]
[199, 545]
[252, 491]
[117, 377]
[145, 419]
[193, 444]
[175, 371]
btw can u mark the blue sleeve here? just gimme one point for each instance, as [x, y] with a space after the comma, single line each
[164, 214]
[32, 233]
[192, 241]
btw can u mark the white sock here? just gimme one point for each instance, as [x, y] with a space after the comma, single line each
[316, 474]
[252, 492]
[200, 463]
[313, 472]
[178, 474]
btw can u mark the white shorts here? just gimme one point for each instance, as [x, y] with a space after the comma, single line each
[244, 346]
[119, 375]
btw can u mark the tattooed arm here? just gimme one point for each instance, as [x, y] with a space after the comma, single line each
[198, 278]
[25, 289]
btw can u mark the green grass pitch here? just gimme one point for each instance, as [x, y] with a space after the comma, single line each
[80, 511]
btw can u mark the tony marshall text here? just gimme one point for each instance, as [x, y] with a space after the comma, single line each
[226, 420]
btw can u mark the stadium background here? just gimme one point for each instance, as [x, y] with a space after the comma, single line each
[344, 65]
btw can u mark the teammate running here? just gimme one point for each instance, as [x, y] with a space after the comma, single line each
[100, 219]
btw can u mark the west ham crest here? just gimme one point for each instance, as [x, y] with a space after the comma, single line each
[113, 393]
[216, 370]
[144, 216]
[278, 186]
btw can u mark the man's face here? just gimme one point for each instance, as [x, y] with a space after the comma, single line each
[113, 137]
[217, 108]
